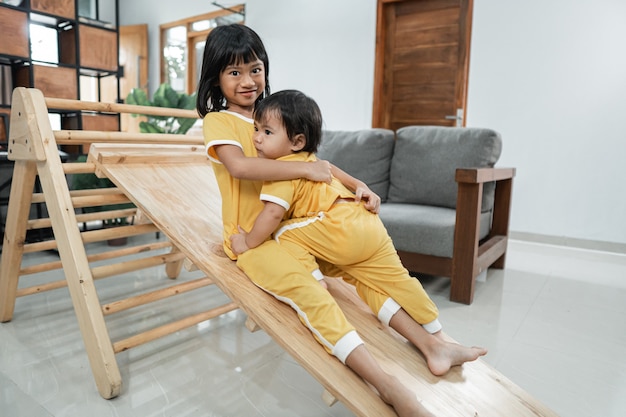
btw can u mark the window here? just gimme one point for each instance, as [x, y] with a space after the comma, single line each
[182, 46]
[44, 44]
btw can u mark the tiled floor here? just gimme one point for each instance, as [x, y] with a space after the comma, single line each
[554, 321]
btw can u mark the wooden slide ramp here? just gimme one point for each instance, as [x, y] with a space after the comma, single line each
[175, 187]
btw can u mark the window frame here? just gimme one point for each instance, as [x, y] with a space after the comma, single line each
[192, 38]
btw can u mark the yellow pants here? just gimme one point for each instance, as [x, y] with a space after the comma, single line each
[357, 243]
[271, 267]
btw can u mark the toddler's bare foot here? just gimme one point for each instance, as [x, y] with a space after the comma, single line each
[444, 355]
[404, 401]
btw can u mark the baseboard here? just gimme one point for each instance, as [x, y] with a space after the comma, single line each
[570, 242]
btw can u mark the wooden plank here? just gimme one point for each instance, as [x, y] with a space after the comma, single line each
[24, 173]
[160, 189]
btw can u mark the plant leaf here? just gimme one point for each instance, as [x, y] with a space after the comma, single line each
[185, 124]
[138, 97]
[187, 101]
[165, 96]
[146, 127]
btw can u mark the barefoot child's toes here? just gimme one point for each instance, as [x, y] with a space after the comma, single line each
[450, 354]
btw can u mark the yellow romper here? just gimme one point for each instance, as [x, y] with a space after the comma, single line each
[326, 222]
[270, 266]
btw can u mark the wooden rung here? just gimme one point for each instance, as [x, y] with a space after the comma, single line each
[141, 218]
[92, 192]
[104, 271]
[170, 328]
[132, 250]
[84, 217]
[81, 137]
[79, 167]
[118, 231]
[95, 236]
[36, 289]
[189, 265]
[103, 199]
[68, 104]
[251, 325]
[156, 295]
[39, 268]
[328, 398]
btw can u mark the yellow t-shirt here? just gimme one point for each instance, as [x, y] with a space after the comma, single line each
[240, 198]
[301, 197]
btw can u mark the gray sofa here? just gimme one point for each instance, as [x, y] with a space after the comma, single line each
[445, 206]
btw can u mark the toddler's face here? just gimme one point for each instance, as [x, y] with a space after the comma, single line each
[270, 137]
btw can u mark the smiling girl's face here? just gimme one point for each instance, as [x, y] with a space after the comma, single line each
[241, 85]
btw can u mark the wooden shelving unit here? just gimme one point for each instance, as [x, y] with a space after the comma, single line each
[87, 58]
[84, 65]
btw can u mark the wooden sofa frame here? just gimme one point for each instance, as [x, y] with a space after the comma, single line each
[471, 256]
[153, 170]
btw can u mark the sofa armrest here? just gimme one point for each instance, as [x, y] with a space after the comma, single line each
[470, 256]
[482, 175]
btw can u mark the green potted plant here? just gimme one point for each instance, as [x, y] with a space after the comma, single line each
[165, 96]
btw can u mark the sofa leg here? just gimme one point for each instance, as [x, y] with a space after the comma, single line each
[462, 286]
[499, 263]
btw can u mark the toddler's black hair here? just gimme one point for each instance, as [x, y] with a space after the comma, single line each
[299, 113]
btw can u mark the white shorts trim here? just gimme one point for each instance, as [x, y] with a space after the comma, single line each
[346, 345]
[432, 327]
[387, 311]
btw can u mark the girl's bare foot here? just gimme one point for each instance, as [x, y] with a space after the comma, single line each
[443, 355]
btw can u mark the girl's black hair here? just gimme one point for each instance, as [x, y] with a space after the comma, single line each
[299, 113]
[227, 45]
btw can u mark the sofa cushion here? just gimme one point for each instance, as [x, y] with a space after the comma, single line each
[364, 154]
[426, 158]
[428, 230]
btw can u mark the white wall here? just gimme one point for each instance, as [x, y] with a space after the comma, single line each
[549, 75]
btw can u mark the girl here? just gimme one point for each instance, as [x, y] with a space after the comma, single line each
[234, 78]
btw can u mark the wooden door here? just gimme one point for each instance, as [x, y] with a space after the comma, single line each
[134, 59]
[422, 62]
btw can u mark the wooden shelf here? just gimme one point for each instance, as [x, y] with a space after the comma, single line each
[63, 8]
[57, 82]
[103, 122]
[104, 56]
[14, 24]
[87, 61]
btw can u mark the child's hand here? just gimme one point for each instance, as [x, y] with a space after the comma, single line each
[320, 171]
[238, 241]
[371, 199]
